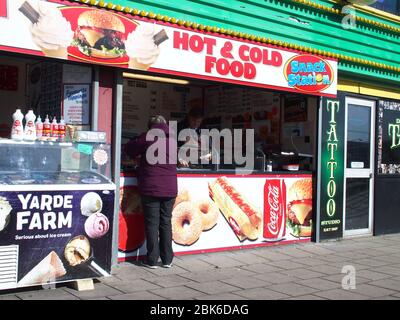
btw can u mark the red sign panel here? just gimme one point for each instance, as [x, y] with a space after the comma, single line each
[3, 8]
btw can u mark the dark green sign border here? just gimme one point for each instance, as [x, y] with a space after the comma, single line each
[330, 182]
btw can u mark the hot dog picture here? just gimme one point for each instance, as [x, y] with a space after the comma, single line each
[244, 219]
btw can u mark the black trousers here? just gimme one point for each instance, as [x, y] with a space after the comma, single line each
[157, 220]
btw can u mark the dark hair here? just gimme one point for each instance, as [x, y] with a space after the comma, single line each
[156, 120]
[195, 113]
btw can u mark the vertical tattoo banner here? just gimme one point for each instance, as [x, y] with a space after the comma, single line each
[331, 169]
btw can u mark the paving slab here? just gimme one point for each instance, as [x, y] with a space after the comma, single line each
[276, 278]
[9, 297]
[178, 293]
[303, 273]
[100, 290]
[133, 286]
[292, 289]
[387, 284]
[56, 294]
[213, 287]
[286, 264]
[248, 258]
[372, 262]
[307, 297]
[320, 284]
[222, 296]
[246, 282]
[340, 294]
[261, 268]
[140, 295]
[373, 291]
[194, 265]
[261, 294]
[222, 261]
[393, 270]
[338, 278]
[311, 262]
[169, 281]
[373, 275]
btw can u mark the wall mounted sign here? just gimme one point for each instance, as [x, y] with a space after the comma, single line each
[331, 169]
[388, 137]
[56, 30]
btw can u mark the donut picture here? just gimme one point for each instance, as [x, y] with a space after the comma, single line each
[182, 196]
[209, 213]
[187, 224]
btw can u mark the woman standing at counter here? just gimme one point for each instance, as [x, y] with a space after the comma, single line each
[157, 184]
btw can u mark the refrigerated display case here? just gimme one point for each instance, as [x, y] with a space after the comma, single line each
[56, 212]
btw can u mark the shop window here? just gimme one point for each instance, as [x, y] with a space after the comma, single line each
[391, 6]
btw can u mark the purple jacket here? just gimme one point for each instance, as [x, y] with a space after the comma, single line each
[159, 179]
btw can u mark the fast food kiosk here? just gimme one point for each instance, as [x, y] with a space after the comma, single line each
[168, 69]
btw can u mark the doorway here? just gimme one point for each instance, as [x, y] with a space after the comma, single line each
[359, 166]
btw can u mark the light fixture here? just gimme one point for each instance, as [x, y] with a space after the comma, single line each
[154, 78]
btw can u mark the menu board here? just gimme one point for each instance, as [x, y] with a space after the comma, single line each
[143, 99]
[388, 137]
[50, 91]
[239, 107]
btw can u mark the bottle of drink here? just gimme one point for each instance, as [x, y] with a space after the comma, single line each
[30, 128]
[269, 165]
[17, 131]
[54, 128]
[61, 129]
[46, 127]
[39, 127]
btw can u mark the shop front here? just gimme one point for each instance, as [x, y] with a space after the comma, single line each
[324, 149]
[237, 84]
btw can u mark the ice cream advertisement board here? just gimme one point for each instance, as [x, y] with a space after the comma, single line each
[59, 236]
[91, 35]
[216, 212]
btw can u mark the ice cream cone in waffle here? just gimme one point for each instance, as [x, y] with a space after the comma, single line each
[135, 64]
[47, 270]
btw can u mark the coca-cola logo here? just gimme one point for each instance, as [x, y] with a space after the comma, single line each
[273, 201]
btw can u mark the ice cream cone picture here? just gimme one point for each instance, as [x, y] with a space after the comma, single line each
[50, 31]
[142, 46]
[47, 270]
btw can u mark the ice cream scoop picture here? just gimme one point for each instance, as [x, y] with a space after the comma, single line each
[97, 225]
[50, 31]
[91, 203]
[77, 251]
[47, 270]
[5, 209]
[142, 46]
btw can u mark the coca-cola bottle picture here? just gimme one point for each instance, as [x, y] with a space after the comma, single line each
[274, 210]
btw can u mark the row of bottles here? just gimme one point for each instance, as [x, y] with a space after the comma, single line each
[36, 130]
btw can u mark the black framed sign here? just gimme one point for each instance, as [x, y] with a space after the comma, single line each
[388, 148]
[331, 169]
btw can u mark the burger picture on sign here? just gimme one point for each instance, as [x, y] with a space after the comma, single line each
[100, 34]
[299, 208]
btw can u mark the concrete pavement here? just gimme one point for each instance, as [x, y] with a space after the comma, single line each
[299, 271]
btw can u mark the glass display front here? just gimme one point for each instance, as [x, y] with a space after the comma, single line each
[24, 163]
